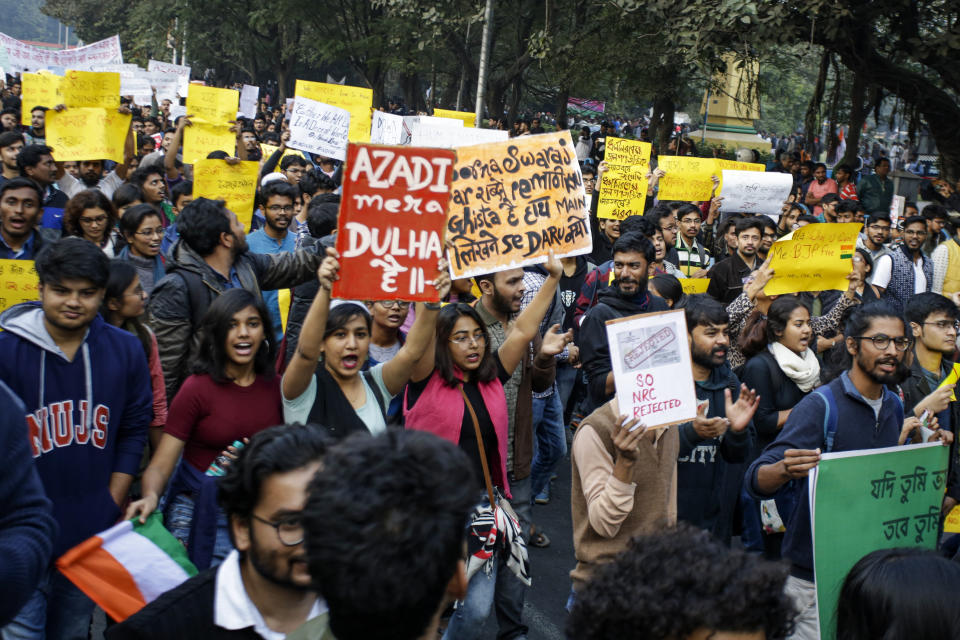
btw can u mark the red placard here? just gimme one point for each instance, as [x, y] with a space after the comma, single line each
[391, 223]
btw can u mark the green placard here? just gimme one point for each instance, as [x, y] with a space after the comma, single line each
[867, 500]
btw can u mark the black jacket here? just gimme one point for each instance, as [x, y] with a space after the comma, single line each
[777, 393]
[726, 278]
[594, 351]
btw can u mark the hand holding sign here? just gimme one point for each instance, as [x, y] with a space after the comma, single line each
[627, 438]
[798, 462]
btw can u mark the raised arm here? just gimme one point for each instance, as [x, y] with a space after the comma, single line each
[527, 323]
[304, 363]
[129, 146]
[399, 370]
[170, 157]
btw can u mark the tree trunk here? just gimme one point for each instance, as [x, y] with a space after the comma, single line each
[811, 123]
[858, 115]
[661, 123]
[561, 112]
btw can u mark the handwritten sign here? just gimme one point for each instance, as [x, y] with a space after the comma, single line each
[651, 368]
[815, 257]
[390, 227]
[513, 202]
[212, 105]
[201, 138]
[91, 89]
[755, 192]
[181, 71]
[87, 133]
[897, 205]
[319, 128]
[861, 501]
[467, 117]
[39, 90]
[236, 184]
[734, 165]
[21, 56]
[692, 286]
[687, 178]
[624, 189]
[387, 128]
[18, 282]
[357, 100]
[248, 101]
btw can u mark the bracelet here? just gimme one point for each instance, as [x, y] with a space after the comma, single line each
[433, 306]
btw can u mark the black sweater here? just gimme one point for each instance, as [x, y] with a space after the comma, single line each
[777, 393]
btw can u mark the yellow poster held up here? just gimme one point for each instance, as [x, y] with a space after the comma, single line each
[357, 100]
[91, 89]
[87, 133]
[692, 286]
[687, 178]
[236, 183]
[18, 282]
[200, 138]
[817, 257]
[212, 105]
[39, 90]
[623, 191]
[467, 117]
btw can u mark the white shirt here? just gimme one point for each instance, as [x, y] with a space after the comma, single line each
[883, 271]
[233, 609]
[107, 185]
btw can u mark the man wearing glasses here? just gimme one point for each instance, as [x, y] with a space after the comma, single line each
[276, 205]
[905, 271]
[262, 588]
[867, 415]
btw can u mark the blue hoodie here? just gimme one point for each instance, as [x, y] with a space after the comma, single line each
[86, 419]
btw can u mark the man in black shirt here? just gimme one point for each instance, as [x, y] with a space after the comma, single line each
[728, 276]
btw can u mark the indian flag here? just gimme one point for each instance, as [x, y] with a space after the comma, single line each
[846, 251]
[127, 566]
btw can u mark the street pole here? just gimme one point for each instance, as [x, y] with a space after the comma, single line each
[484, 54]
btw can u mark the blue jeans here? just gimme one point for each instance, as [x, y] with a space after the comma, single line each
[567, 379]
[752, 535]
[179, 516]
[484, 591]
[551, 440]
[57, 610]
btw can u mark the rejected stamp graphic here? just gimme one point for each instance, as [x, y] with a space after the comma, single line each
[649, 347]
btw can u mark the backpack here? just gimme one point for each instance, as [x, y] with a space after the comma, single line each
[197, 296]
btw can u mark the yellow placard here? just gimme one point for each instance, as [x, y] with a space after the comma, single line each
[952, 522]
[357, 100]
[687, 178]
[212, 105]
[467, 117]
[91, 89]
[235, 183]
[18, 282]
[87, 133]
[39, 90]
[283, 301]
[952, 378]
[202, 138]
[816, 257]
[623, 191]
[694, 285]
[269, 149]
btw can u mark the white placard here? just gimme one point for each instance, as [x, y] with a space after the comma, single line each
[139, 88]
[319, 128]
[181, 71]
[177, 110]
[652, 372]
[897, 206]
[464, 137]
[248, 101]
[755, 191]
[386, 128]
[25, 57]
[166, 84]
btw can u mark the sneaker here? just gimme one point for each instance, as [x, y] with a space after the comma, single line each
[544, 496]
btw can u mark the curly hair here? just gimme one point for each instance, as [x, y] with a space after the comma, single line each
[674, 582]
[88, 199]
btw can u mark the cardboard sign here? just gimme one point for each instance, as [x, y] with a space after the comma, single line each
[815, 257]
[357, 100]
[687, 178]
[652, 371]
[624, 189]
[248, 101]
[755, 192]
[897, 205]
[865, 500]
[91, 89]
[390, 227]
[39, 90]
[212, 105]
[693, 286]
[201, 138]
[467, 117]
[514, 202]
[319, 128]
[181, 71]
[18, 282]
[387, 128]
[87, 134]
[237, 184]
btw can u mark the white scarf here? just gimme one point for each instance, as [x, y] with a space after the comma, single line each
[803, 370]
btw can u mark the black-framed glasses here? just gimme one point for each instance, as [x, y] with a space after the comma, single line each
[389, 304]
[289, 529]
[276, 208]
[881, 341]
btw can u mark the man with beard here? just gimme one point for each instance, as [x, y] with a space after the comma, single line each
[716, 443]
[768, 238]
[905, 271]
[210, 257]
[262, 589]
[36, 162]
[10, 144]
[867, 415]
[37, 133]
[626, 296]
[248, 138]
[91, 177]
[728, 276]
[820, 186]
[275, 237]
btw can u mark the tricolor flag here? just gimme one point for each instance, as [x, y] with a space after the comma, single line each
[846, 251]
[127, 566]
